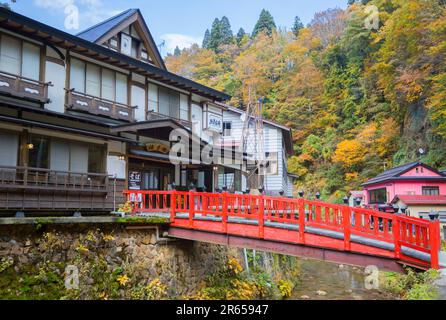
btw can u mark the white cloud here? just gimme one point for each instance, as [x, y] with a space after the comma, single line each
[181, 40]
[90, 11]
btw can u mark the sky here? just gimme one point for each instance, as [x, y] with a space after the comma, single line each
[173, 22]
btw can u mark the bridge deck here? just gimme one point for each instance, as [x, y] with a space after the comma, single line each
[301, 223]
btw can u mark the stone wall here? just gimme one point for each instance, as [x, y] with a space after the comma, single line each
[114, 262]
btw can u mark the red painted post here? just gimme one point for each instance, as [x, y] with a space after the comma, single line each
[347, 227]
[173, 206]
[434, 231]
[224, 215]
[261, 217]
[191, 209]
[301, 220]
[396, 232]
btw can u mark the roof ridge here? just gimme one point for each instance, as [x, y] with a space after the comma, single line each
[105, 21]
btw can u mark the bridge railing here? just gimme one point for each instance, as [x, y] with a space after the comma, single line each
[401, 231]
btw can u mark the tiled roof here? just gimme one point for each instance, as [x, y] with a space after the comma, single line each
[395, 174]
[413, 199]
[95, 32]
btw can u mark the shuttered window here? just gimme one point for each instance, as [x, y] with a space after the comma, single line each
[153, 97]
[98, 82]
[93, 78]
[108, 84]
[169, 102]
[10, 55]
[78, 158]
[31, 61]
[184, 107]
[9, 146]
[60, 156]
[77, 75]
[19, 57]
[121, 88]
[164, 101]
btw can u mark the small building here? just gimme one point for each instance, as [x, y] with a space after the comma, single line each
[412, 179]
[425, 207]
[356, 198]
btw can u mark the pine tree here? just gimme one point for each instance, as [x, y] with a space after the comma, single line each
[206, 39]
[240, 34]
[226, 32]
[177, 52]
[297, 26]
[264, 24]
[215, 39]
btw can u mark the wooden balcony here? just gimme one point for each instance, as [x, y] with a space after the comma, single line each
[24, 88]
[151, 115]
[24, 178]
[78, 101]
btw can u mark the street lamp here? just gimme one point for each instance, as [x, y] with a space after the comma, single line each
[281, 192]
[345, 200]
[301, 193]
[318, 195]
[358, 202]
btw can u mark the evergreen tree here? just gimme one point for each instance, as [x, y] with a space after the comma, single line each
[240, 34]
[226, 32]
[297, 26]
[206, 39]
[264, 24]
[215, 39]
[177, 52]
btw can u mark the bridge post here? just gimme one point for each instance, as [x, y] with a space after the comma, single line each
[191, 209]
[301, 220]
[434, 232]
[224, 212]
[347, 226]
[173, 206]
[396, 232]
[261, 217]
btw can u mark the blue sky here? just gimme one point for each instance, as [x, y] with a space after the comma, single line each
[177, 22]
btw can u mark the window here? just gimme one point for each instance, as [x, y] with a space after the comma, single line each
[9, 146]
[378, 196]
[227, 129]
[169, 102]
[39, 154]
[153, 97]
[98, 82]
[19, 58]
[184, 107]
[431, 191]
[76, 157]
[272, 164]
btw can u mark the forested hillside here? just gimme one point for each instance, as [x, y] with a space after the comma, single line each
[358, 99]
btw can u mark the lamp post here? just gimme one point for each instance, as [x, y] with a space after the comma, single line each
[281, 192]
[318, 195]
[301, 193]
[345, 200]
[358, 202]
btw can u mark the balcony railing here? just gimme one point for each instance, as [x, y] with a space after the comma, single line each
[151, 115]
[25, 88]
[102, 107]
[44, 179]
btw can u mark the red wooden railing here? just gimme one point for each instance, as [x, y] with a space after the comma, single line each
[401, 231]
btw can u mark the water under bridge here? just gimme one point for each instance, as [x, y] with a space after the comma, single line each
[296, 227]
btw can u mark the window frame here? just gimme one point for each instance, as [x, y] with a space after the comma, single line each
[430, 190]
[225, 129]
[21, 46]
[101, 68]
[372, 199]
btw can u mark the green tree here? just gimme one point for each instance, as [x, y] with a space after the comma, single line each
[177, 51]
[215, 39]
[227, 36]
[240, 35]
[206, 39]
[297, 26]
[264, 24]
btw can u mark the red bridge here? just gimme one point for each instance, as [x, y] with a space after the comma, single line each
[296, 227]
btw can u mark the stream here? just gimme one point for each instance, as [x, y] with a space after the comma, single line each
[334, 282]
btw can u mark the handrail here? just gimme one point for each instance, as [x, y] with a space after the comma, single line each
[163, 116]
[401, 231]
[86, 95]
[15, 76]
[55, 171]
